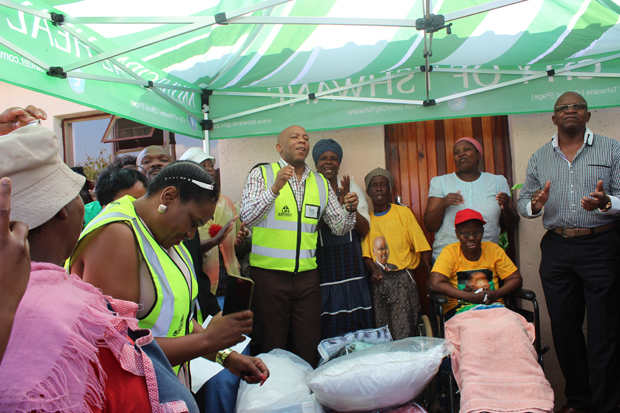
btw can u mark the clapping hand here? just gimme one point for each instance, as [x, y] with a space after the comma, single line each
[453, 199]
[540, 198]
[224, 231]
[597, 199]
[241, 235]
[503, 200]
[344, 189]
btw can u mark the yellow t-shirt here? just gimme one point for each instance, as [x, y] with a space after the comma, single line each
[403, 236]
[492, 266]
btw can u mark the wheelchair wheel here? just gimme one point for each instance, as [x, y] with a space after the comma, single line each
[424, 325]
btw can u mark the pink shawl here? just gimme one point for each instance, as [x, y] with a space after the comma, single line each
[51, 361]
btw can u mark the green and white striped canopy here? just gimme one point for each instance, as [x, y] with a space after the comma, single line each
[263, 65]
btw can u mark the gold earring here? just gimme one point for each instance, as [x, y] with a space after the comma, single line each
[162, 208]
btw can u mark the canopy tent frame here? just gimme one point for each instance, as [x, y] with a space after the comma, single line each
[426, 25]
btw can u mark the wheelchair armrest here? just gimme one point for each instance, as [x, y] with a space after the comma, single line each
[524, 294]
[438, 298]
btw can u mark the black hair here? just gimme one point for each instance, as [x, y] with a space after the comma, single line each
[78, 170]
[112, 181]
[180, 174]
[121, 161]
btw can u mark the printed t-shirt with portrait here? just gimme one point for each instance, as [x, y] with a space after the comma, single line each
[403, 236]
[465, 275]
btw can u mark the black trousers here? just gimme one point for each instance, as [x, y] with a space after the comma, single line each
[578, 274]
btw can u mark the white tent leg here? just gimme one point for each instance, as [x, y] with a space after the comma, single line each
[206, 144]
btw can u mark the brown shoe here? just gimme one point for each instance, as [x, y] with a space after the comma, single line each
[567, 409]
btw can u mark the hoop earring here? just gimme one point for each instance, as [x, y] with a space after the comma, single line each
[162, 208]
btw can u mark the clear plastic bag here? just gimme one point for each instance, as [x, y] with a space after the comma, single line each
[381, 376]
[331, 348]
[285, 391]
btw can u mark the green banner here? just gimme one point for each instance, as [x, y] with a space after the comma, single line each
[55, 47]
[533, 96]
[489, 52]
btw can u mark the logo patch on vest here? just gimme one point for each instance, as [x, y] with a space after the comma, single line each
[285, 212]
[181, 326]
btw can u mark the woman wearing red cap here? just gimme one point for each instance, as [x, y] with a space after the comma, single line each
[493, 360]
[468, 188]
[460, 266]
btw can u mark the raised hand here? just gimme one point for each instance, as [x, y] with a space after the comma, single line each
[453, 199]
[282, 178]
[597, 199]
[241, 235]
[344, 189]
[351, 201]
[14, 118]
[224, 231]
[540, 198]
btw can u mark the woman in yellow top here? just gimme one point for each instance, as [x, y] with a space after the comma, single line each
[493, 360]
[394, 245]
[133, 251]
[468, 272]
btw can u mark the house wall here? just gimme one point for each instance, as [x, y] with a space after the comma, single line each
[363, 150]
[527, 134]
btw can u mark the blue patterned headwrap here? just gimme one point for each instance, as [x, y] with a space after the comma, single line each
[325, 145]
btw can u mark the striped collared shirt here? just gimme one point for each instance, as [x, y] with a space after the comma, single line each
[597, 159]
[257, 200]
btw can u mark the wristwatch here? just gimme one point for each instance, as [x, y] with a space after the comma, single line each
[607, 206]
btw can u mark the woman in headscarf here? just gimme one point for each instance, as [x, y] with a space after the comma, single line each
[394, 247]
[346, 303]
[468, 188]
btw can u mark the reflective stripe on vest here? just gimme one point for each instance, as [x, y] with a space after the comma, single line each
[285, 239]
[173, 309]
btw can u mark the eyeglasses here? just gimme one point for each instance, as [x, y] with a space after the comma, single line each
[476, 234]
[574, 106]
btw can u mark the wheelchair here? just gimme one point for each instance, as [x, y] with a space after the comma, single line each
[444, 389]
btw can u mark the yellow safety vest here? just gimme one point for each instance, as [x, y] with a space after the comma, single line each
[285, 238]
[174, 298]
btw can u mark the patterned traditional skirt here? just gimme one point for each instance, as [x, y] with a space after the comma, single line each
[345, 295]
[396, 302]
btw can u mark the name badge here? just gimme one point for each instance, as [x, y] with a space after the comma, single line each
[312, 211]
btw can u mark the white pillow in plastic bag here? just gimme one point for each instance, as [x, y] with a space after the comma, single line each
[331, 347]
[384, 375]
[285, 391]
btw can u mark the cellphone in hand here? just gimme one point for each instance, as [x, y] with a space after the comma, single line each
[239, 292]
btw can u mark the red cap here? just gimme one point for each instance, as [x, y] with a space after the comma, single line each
[466, 215]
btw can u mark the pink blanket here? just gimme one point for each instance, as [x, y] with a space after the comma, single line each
[495, 363]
